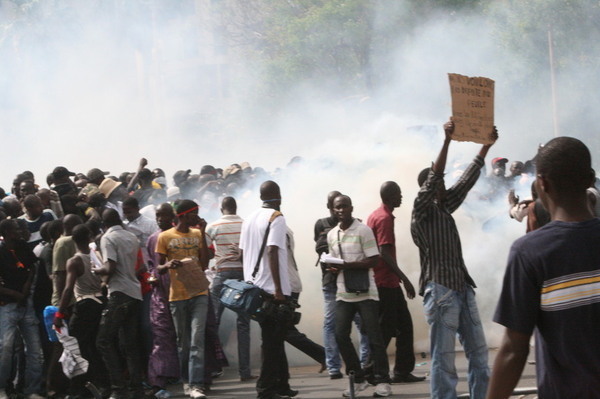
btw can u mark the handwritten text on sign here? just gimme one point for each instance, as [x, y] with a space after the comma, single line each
[472, 108]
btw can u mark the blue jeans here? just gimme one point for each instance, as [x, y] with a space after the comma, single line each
[332, 353]
[189, 318]
[243, 321]
[22, 318]
[449, 313]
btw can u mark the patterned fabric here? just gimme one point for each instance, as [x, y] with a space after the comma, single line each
[434, 231]
[163, 363]
[357, 242]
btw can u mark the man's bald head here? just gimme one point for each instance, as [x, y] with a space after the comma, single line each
[330, 197]
[69, 222]
[111, 217]
[228, 206]
[269, 191]
[390, 193]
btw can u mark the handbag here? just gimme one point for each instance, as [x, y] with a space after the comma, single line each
[243, 296]
[355, 280]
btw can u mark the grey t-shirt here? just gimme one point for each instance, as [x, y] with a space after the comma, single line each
[122, 246]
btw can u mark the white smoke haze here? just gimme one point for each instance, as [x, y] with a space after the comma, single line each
[89, 84]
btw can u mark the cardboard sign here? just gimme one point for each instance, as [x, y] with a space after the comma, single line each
[472, 108]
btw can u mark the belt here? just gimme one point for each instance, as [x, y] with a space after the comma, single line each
[230, 269]
[94, 297]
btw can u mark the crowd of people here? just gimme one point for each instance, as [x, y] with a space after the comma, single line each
[126, 265]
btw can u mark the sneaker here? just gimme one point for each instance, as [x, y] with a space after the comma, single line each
[358, 387]
[3, 394]
[382, 390]
[34, 396]
[162, 394]
[197, 393]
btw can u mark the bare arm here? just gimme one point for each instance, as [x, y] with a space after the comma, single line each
[74, 270]
[273, 259]
[164, 265]
[440, 163]
[134, 179]
[204, 254]
[390, 260]
[509, 364]
[60, 278]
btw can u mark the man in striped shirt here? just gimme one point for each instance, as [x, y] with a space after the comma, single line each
[445, 283]
[224, 235]
[552, 285]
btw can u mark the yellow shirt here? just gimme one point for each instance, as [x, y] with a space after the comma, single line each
[176, 245]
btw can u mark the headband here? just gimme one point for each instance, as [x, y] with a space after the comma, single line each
[188, 211]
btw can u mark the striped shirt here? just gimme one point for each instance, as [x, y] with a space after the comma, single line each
[224, 235]
[357, 242]
[434, 231]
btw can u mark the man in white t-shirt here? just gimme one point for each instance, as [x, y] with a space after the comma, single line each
[354, 249]
[271, 276]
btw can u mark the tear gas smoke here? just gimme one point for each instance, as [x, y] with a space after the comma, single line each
[91, 84]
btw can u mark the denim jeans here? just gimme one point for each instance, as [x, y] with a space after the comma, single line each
[121, 321]
[243, 321]
[369, 313]
[332, 353]
[449, 313]
[189, 318]
[22, 318]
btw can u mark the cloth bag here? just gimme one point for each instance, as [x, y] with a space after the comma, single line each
[73, 364]
[245, 297]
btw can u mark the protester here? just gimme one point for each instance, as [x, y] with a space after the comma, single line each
[17, 316]
[394, 316]
[224, 235]
[333, 360]
[163, 362]
[120, 249]
[263, 245]
[354, 248]
[445, 284]
[549, 285]
[182, 249]
[85, 288]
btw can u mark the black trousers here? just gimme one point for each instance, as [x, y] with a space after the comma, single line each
[274, 373]
[84, 325]
[121, 313]
[395, 322]
[304, 344]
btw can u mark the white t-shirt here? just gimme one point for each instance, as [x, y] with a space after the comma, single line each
[251, 238]
[294, 275]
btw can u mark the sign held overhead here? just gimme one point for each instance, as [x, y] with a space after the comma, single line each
[472, 108]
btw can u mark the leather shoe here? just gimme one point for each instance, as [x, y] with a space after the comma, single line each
[289, 393]
[249, 378]
[407, 379]
[322, 368]
[336, 376]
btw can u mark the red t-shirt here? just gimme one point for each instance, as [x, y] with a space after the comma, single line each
[381, 221]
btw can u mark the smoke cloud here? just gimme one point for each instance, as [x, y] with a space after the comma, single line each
[90, 84]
